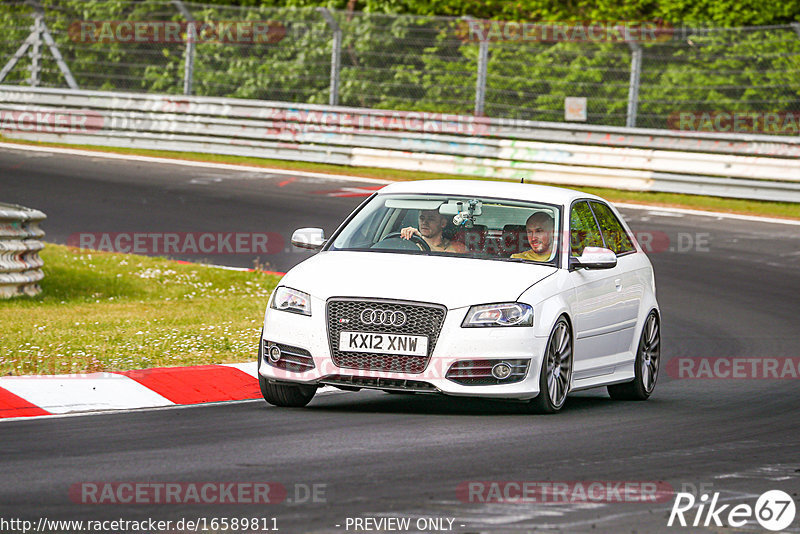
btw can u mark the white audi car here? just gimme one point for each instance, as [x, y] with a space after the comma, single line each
[467, 288]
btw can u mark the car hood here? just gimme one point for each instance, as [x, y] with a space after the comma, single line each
[453, 282]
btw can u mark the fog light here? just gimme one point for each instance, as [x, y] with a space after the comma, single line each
[274, 353]
[501, 371]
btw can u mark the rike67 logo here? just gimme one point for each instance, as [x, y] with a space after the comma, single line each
[774, 510]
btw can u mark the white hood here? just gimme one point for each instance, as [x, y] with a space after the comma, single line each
[453, 282]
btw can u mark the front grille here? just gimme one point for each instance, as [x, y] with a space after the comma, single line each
[293, 359]
[479, 372]
[421, 320]
[379, 383]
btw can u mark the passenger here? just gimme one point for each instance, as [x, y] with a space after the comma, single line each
[539, 228]
[431, 225]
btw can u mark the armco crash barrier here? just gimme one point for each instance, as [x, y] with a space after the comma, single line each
[750, 166]
[20, 264]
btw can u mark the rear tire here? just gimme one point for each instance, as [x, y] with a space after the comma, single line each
[284, 395]
[648, 358]
[555, 376]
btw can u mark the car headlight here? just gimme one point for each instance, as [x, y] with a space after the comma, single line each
[506, 314]
[291, 300]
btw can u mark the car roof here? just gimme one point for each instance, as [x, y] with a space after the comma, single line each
[489, 188]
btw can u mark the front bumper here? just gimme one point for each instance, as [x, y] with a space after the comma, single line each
[454, 344]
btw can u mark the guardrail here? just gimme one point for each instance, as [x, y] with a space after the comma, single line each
[20, 264]
[729, 165]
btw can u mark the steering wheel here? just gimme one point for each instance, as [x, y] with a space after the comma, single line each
[415, 239]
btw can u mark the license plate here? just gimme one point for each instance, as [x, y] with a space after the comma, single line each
[383, 343]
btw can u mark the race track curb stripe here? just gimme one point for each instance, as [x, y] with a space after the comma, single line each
[31, 396]
[195, 385]
[13, 406]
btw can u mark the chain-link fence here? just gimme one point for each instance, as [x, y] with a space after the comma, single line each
[673, 77]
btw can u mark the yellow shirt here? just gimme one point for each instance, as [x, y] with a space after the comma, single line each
[532, 256]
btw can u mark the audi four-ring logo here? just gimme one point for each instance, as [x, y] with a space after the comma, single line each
[383, 317]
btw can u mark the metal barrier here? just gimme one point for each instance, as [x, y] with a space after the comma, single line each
[623, 73]
[729, 165]
[20, 264]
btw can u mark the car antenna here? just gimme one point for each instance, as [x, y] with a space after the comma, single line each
[522, 180]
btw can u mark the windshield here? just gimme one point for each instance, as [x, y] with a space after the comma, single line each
[487, 228]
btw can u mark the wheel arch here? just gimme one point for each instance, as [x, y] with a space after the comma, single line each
[550, 311]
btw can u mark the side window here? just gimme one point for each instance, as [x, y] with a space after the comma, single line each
[583, 229]
[614, 234]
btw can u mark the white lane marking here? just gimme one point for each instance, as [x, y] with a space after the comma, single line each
[323, 391]
[97, 391]
[774, 472]
[660, 213]
[126, 410]
[495, 514]
[718, 215]
[189, 163]
[104, 393]
[735, 496]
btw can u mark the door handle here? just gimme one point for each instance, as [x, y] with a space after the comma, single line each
[618, 284]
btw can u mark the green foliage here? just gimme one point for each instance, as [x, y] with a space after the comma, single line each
[413, 61]
[753, 70]
[725, 13]
[112, 312]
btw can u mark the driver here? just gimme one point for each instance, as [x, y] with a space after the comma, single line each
[431, 225]
[539, 227]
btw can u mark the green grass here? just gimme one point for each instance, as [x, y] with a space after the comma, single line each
[113, 312]
[727, 205]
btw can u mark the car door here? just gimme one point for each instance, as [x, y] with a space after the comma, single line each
[598, 303]
[628, 283]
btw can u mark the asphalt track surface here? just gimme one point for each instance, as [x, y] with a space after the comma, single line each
[736, 294]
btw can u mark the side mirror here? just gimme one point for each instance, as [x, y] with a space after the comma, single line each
[310, 238]
[594, 258]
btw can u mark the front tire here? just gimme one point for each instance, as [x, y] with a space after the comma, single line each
[555, 376]
[284, 395]
[648, 359]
